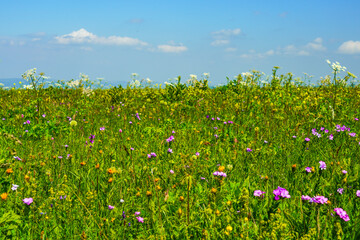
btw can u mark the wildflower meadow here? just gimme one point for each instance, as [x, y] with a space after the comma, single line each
[261, 157]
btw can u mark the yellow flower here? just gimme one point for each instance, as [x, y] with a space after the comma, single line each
[110, 180]
[83, 163]
[221, 168]
[213, 190]
[73, 123]
[181, 198]
[9, 171]
[4, 196]
[148, 193]
[138, 194]
[229, 228]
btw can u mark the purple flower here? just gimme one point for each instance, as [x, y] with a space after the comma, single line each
[306, 198]
[326, 131]
[216, 173]
[215, 128]
[294, 136]
[102, 128]
[230, 122]
[170, 150]
[111, 207]
[319, 199]
[308, 169]
[60, 157]
[218, 118]
[132, 149]
[207, 116]
[265, 141]
[225, 122]
[216, 136]
[356, 119]
[149, 155]
[173, 132]
[358, 193]
[249, 150]
[140, 219]
[307, 139]
[130, 122]
[281, 192]
[43, 115]
[197, 154]
[331, 137]
[137, 116]
[170, 139]
[344, 171]
[202, 178]
[322, 129]
[342, 214]
[322, 165]
[258, 193]
[352, 134]
[137, 213]
[340, 190]
[153, 154]
[28, 201]
[172, 171]
[120, 130]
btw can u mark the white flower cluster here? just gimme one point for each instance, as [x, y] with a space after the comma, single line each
[336, 67]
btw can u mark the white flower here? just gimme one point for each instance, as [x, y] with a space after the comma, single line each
[193, 76]
[122, 200]
[148, 80]
[14, 187]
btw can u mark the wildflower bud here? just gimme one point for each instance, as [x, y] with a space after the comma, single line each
[345, 180]
[158, 188]
[97, 166]
[266, 178]
[156, 180]
[181, 198]
[179, 211]
[338, 163]
[148, 193]
[138, 194]
[83, 163]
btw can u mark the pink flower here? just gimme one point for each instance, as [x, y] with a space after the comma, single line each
[281, 192]
[137, 213]
[342, 214]
[344, 171]
[258, 193]
[358, 193]
[28, 201]
[140, 219]
[111, 207]
[322, 165]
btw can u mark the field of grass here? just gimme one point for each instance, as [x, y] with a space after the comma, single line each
[244, 160]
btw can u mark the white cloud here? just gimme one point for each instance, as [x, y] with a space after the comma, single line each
[171, 48]
[253, 54]
[83, 36]
[350, 47]
[316, 45]
[220, 42]
[224, 36]
[227, 32]
[230, 49]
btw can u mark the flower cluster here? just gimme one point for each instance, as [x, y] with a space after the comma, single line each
[342, 214]
[316, 199]
[151, 155]
[221, 174]
[281, 192]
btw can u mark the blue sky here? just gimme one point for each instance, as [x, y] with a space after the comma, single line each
[164, 39]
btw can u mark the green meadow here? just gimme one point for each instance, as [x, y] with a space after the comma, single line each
[251, 159]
